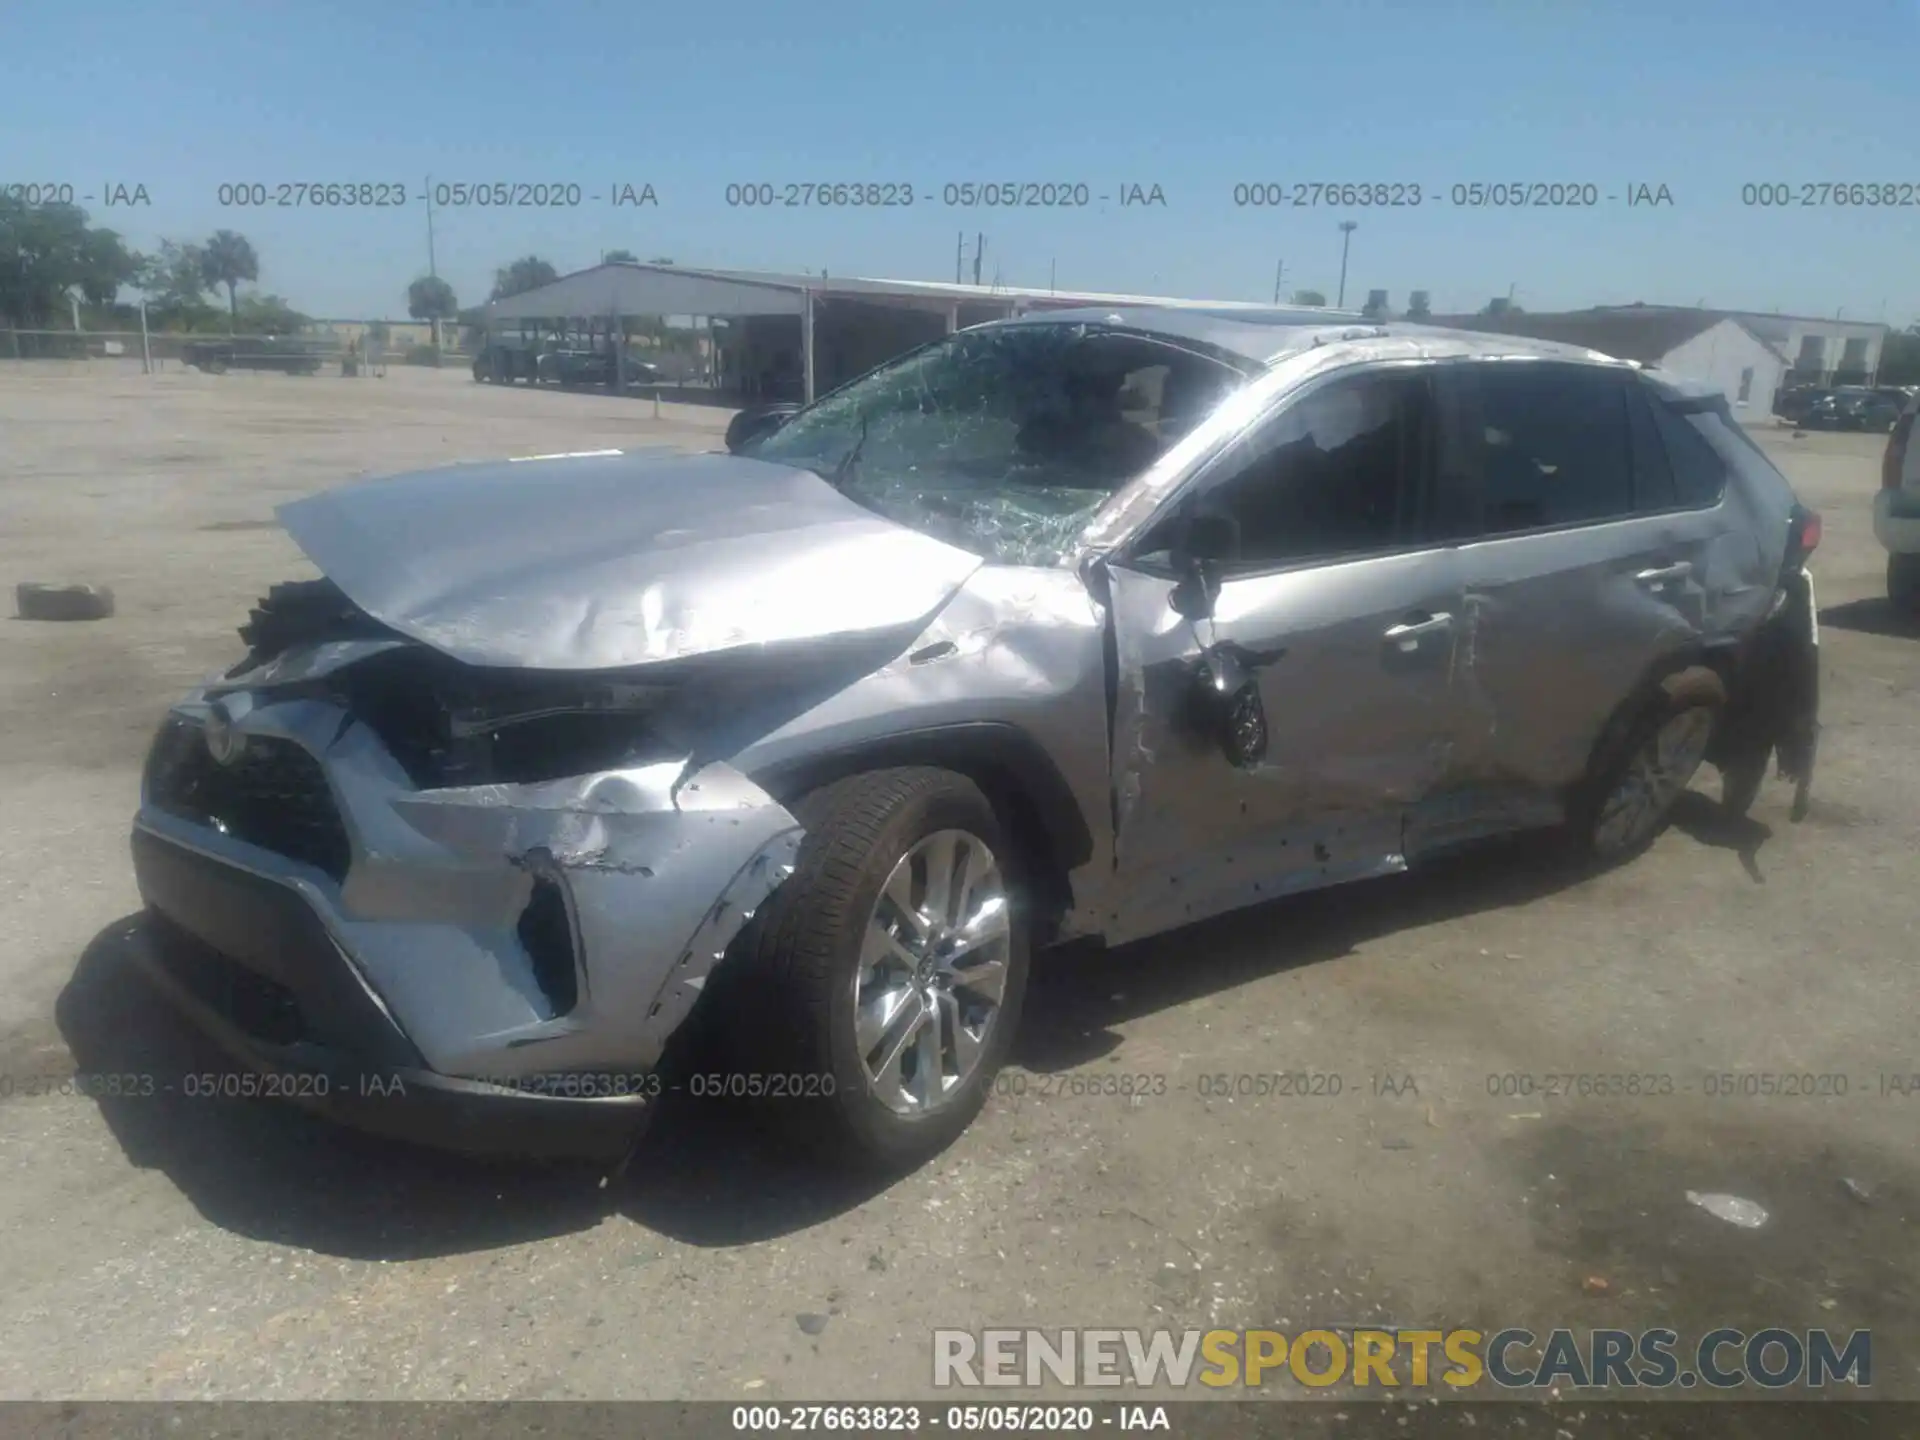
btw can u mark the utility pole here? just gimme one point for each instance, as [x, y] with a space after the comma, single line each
[1347, 227]
[1052, 271]
[979, 252]
[959, 254]
[1279, 269]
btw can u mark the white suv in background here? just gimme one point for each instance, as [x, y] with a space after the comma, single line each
[1896, 511]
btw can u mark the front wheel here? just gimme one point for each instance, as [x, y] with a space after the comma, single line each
[1628, 802]
[886, 975]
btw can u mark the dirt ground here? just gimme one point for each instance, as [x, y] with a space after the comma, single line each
[181, 1248]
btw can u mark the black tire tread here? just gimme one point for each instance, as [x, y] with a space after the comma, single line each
[1660, 707]
[780, 991]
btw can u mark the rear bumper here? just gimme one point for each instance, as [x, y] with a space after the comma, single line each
[249, 962]
[1896, 521]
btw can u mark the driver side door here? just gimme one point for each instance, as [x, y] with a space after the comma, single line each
[1349, 615]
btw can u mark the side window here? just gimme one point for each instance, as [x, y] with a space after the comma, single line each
[1539, 444]
[1652, 475]
[1699, 475]
[1328, 476]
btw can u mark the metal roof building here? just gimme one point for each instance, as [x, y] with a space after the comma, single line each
[858, 322]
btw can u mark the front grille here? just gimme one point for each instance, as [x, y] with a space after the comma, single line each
[274, 795]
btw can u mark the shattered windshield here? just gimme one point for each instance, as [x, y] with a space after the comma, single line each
[1005, 440]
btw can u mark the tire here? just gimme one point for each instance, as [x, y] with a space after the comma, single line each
[62, 602]
[789, 1003]
[1627, 802]
[1903, 582]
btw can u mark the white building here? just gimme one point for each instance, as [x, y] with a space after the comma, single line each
[1720, 349]
[1820, 351]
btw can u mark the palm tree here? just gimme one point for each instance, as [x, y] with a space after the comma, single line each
[228, 259]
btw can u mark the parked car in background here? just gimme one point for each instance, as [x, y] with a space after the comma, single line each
[1896, 511]
[1855, 408]
[591, 368]
[1791, 402]
[1092, 624]
[269, 352]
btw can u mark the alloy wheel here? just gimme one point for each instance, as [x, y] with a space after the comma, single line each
[932, 972]
[1661, 768]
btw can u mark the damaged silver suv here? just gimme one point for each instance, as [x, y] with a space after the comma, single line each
[1088, 624]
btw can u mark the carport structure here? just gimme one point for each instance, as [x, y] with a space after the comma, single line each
[784, 336]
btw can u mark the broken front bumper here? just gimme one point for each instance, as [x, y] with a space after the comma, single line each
[494, 967]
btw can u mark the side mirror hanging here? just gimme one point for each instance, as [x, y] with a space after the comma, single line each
[1227, 706]
[1203, 542]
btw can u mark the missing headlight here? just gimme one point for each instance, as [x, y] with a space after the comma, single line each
[448, 724]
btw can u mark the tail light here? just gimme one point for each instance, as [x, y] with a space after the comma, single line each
[1895, 460]
[1803, 538]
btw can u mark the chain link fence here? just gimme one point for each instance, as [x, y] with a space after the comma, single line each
[171, 350]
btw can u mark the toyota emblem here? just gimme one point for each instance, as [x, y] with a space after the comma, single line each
[224, 741]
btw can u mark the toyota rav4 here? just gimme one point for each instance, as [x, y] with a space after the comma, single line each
[1089, 624]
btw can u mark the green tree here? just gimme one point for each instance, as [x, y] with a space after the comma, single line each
[227, 259]
[1309, 297]
[619, 257]
[174, 282]
[268, 315]
[529, 272]
[431, 298]
[49, 253]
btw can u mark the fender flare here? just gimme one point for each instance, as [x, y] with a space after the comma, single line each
[1008, 763]
[1690, 675]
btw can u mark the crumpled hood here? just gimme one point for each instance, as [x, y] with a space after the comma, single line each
[601, 561]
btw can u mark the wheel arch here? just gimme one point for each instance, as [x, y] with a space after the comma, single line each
[1012, 769]
[1702, 672]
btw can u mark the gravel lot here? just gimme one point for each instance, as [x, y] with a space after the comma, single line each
[180, 1249]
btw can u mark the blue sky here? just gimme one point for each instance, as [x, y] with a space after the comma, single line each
[1701, 97]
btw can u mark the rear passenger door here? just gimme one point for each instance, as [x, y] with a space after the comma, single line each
[1584, 555]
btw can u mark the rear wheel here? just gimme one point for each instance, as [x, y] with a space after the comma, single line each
[886, 975]
[1628, 802]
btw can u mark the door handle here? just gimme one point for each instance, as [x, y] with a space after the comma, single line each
[1660, 576]
[1406, 635]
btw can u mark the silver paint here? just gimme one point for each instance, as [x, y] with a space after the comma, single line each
[597, 562]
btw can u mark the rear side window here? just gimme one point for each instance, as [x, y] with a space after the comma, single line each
[1528, 445]
[1699, 475]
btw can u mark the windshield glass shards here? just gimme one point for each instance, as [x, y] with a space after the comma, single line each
[1005, 440]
